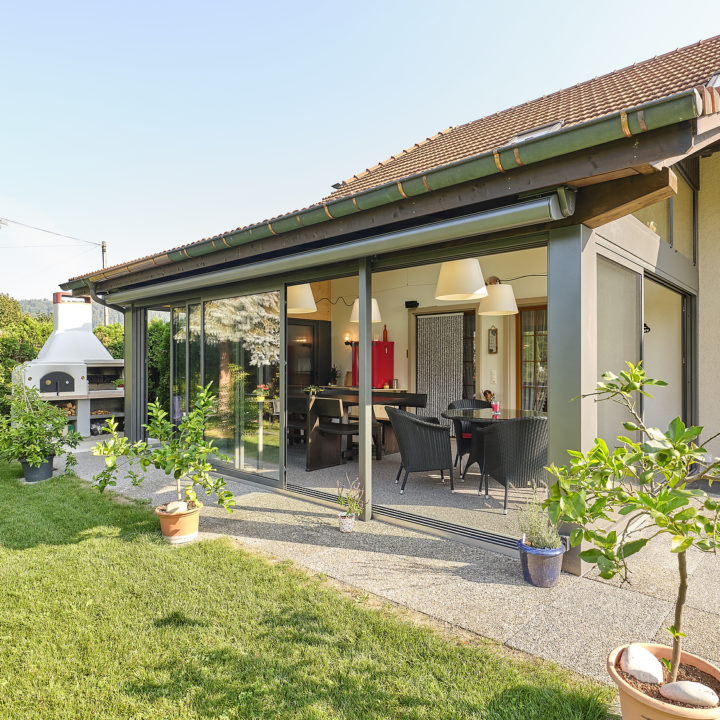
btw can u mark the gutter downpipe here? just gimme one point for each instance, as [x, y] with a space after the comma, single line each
[631, 122]
[96, 298]
[530, 212]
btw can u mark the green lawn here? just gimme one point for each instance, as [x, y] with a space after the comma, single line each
[99, 618]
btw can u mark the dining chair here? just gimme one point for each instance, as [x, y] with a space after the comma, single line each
[463, 428]
[424, 445]
[516, 453]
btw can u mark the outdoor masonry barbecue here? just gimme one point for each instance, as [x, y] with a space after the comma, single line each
[74, 370]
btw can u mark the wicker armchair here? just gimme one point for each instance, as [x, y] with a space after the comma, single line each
[424, 445]
[515, 453]
[463, 428]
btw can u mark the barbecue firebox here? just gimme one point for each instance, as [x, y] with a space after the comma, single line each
[74, 370]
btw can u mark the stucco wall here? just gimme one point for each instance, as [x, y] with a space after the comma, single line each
[709, 302]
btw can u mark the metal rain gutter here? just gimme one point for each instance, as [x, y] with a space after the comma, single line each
[531, 212]
[627, 123]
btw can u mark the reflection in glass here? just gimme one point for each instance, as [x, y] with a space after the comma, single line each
[179, 375]
[194, 349]
[242, 352]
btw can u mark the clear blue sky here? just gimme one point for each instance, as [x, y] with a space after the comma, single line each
[152, 124]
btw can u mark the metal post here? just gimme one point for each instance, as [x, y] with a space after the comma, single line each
[103, 247]
[572, 350]
[365, 384]
[135, 372]
[282, 380]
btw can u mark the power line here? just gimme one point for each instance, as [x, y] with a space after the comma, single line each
[49, 232]
[23, 247]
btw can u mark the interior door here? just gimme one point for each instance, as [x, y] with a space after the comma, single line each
[439, 371]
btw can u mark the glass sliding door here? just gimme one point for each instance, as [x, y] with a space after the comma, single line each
[178, 331]
[619, 334]
[241, 359]
[194, 351]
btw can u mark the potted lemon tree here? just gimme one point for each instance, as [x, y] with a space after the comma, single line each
[183, 452]
[34, 432]
[649, 487]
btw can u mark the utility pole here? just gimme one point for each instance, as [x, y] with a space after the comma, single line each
[103, 247]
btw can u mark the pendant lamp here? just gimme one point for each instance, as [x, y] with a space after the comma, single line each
[355, 312]
[460, 280]
[500, 299]
[300, 300]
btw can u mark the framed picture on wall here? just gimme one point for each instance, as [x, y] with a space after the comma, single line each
[492, 340]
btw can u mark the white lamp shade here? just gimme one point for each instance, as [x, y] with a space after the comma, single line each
[355, 312]
[460, 280]
[499, 301]
[300, 300]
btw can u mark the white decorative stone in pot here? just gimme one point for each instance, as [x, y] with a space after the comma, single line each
[176, 506]
[690, 693]
[641, 664]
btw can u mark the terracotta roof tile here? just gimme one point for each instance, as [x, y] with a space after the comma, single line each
[642, 82]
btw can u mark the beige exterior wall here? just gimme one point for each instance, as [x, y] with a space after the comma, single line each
[709, 297]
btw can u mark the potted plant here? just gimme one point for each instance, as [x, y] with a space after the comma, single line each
[183, 452]
[622, 498]
[333, 375]
[312, 389]
[351, 498]
[119, 383]
[541, 547]
[34, 432]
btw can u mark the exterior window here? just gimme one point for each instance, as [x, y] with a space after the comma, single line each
[532, 358]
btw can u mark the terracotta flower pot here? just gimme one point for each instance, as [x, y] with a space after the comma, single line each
[638, 706]
[180, 527]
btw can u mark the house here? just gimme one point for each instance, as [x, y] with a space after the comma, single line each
[593, 215]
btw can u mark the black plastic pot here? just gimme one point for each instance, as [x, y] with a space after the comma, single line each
[541, 567]
[36, 474]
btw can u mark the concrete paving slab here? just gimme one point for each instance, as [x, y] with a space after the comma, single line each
[581, 627]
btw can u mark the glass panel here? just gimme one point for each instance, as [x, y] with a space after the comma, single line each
[179, 371]
[533, 357]
[657, 218]
[158, 360]
[242, 350]
[194, 349]
[683, 219]
[619, 334]
[663, 352]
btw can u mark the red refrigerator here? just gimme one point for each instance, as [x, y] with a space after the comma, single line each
[383, 364]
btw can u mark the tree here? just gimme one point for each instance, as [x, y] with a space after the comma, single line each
[20, 341]
[112, 337]
[10, 310]
[652, 481]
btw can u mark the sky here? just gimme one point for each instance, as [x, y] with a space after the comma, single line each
[153, 124]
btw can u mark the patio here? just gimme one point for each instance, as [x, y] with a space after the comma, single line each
[574, 624]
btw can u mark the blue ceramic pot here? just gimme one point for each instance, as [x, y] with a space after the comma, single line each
[540, 566]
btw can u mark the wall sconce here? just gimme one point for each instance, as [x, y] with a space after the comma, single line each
[348, 341]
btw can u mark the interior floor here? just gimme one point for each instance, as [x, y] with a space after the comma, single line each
[425, 493]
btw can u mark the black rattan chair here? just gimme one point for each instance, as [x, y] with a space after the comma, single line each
[463, 428]
[424, 445]
[515, 453]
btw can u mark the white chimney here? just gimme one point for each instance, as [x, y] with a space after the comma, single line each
[72, 338]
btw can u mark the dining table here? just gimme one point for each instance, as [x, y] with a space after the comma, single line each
[350, 397]
[482, 417]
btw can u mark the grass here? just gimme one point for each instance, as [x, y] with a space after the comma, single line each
[99, 618]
